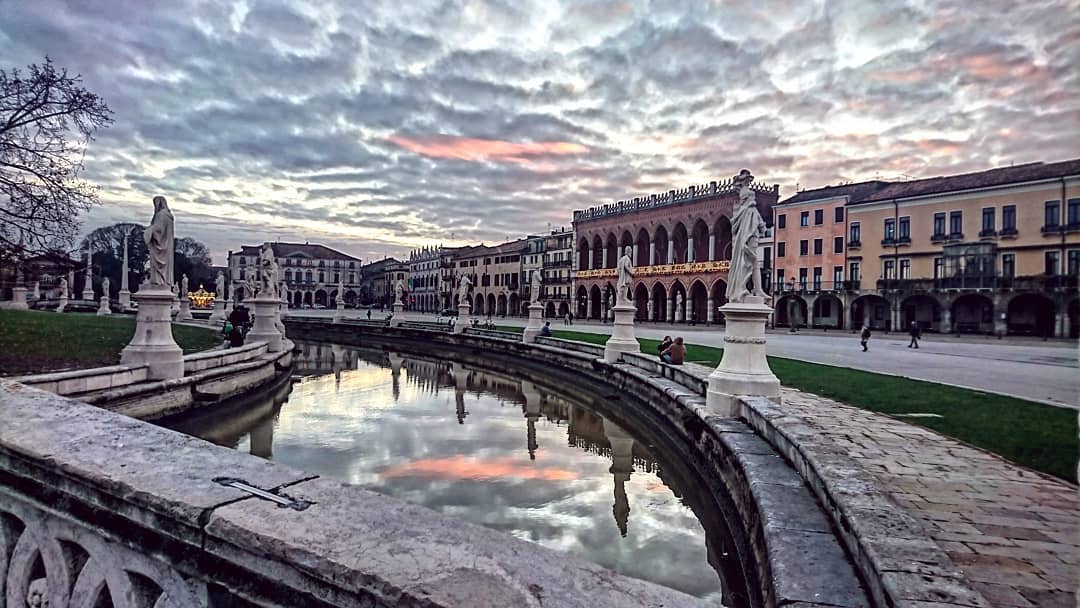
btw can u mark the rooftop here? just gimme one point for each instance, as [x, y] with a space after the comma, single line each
[284, 250]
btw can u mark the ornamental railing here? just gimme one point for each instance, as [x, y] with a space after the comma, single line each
[660, 269]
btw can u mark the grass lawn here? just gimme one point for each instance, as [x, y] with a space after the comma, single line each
[1035, 435]
[34, 342]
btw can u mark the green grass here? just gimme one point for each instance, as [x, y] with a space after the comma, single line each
[34, 342]
[1038, 436]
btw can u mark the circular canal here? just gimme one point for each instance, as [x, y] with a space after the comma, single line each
[563, 465]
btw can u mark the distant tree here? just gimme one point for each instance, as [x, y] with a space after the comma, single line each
[107, 244]
[193, 259]
[46, 121]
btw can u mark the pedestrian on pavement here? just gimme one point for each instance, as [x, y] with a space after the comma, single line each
[916, 333]
[865, 336]
[566, 318]
[674, 354]
[369, 314]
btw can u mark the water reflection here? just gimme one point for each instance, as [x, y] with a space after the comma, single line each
[448, 435]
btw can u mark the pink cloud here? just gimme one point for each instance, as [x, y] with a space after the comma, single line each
[472, 149]
[464, 467]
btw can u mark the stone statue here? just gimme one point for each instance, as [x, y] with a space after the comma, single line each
[535, 286]
[183, 285]
[105, 287]
[678, 302]
[267, 272]
[219, 285]
[463, 289]
[249, 285]
[37, 593]
[159, 244]
[625, 270]
[63, 287]
[399, 291]
[746, 225]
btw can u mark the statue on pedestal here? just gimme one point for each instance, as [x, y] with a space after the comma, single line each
[399, 292]
[105, 287]
[267, 272]
[625, 270]
[183, 286]
[219, 285]
[746, 226]
[463, 289]
[63, 287]
[535, 286]
[159, 244]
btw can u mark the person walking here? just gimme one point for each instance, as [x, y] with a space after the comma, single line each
[916, 333]
[674, 354]
[571, 317]
[566, 318]
[865, 336]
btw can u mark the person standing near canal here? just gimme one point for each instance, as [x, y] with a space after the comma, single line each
[865, 336]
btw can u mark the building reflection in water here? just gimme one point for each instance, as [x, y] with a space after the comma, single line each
[409, 463]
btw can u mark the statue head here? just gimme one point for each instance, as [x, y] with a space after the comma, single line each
[159, 203]
[37, 595]
[743, 178]
[629, 251]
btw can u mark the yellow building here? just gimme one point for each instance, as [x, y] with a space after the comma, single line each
[991, 252]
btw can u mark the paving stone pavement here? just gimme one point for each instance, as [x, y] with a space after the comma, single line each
[1014, 533]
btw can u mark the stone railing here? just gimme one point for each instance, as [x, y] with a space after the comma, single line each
[660, 269]
[671, 197]
[98, 509]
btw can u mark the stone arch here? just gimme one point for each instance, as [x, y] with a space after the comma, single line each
[478, 305]
[828, 312]
[697, 303]
[583, 253]
[719, 298]
[563, 309]
[490, 304]
[659, 302]
[308, 300]
[678, 314]
[516, 304]
[679, 242]
[790, 311]
[500, 305]
[700, 232]
[972, 313]
[597, 252]
[922, 309]
[1030, 314]
[871, 310]
[320, 297]
[641, 302]
[626, 240]
[611, 247]
[297, 299]
[642, 243]
[582, 302]
[596, 303]
[660, 243]
[722, 234]
[549, 310]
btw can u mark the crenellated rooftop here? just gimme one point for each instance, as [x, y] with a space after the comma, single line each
[671, 197]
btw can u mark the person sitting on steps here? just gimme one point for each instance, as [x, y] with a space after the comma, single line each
[674, 354]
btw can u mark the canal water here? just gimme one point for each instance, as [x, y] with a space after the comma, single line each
[526, 457]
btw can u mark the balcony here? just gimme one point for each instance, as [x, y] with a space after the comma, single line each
[658, 270]
[903, 240]
[1008, 232]
[1051, 229]
[558, 264]
[956, 236]
[854, 244]
[1039, 283]
[987, 233]
[888, 242]
[814, 286]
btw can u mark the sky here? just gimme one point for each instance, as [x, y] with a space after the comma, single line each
[381, 126]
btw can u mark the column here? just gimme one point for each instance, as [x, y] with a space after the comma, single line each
[712, 246]
[588, 304]
[635, 253]
[652, 253]
[670, 251]
[671, 308]
[946, 318]
[603, 254]
[711, 315]
[649, 309]
[690, 249]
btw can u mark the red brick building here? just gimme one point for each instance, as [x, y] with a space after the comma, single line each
[681, 242]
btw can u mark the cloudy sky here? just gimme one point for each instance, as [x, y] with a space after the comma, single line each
[381, 126]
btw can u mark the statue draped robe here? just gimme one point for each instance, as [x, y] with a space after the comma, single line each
[744, 257]
[159, 244]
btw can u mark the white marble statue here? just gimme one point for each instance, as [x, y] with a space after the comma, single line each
[250, 288]
[219, 285]
[63, 287]
[105, 287]
[399, 291]
[267, 272]
[159, 244]
[535, 286]
[183, 285]
[71, 282]
[678, 303]
[625, 270]
[463, 289]
[746, 226]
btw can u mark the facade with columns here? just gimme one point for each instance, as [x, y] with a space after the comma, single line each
[558, 269]
[426, 289]
[310, 273]
[495, 273]
[995, 251]
[681, 248]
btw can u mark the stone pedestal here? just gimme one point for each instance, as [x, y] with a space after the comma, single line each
[185, 310]
[265, 329]
[399, 314]
[37, 290]
[88, 292]
[464, 311]
[125, 299]
[339, 311]
[103, 307]
[153, 342]
[622, 338]
[18, 299]
[63, 303]
[217, 317]
[743, 370]
[532, 329]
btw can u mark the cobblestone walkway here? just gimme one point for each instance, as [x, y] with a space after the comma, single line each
[1012, 532]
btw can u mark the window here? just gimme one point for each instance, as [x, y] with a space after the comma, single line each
[853, 236]
[838, 244]
[838, 215]
[819, 217]
[781, 221]
[890, 230]
[781, 249]
[817, 246]
[1052, 259]
[890, 269]
[956, 224]
[837, 275]
[1073, 218]
[804, 218]
[1008, 265]
[988, 220]
[905, 229]
[905, 268]
[767, 258]
[802, 278]
[939, 225]
[939, 268]
[804, 247]
[1008, 219]
[853, 271]
[1051, 217]
[1074, 262]
[817, 277]
[780, 279]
